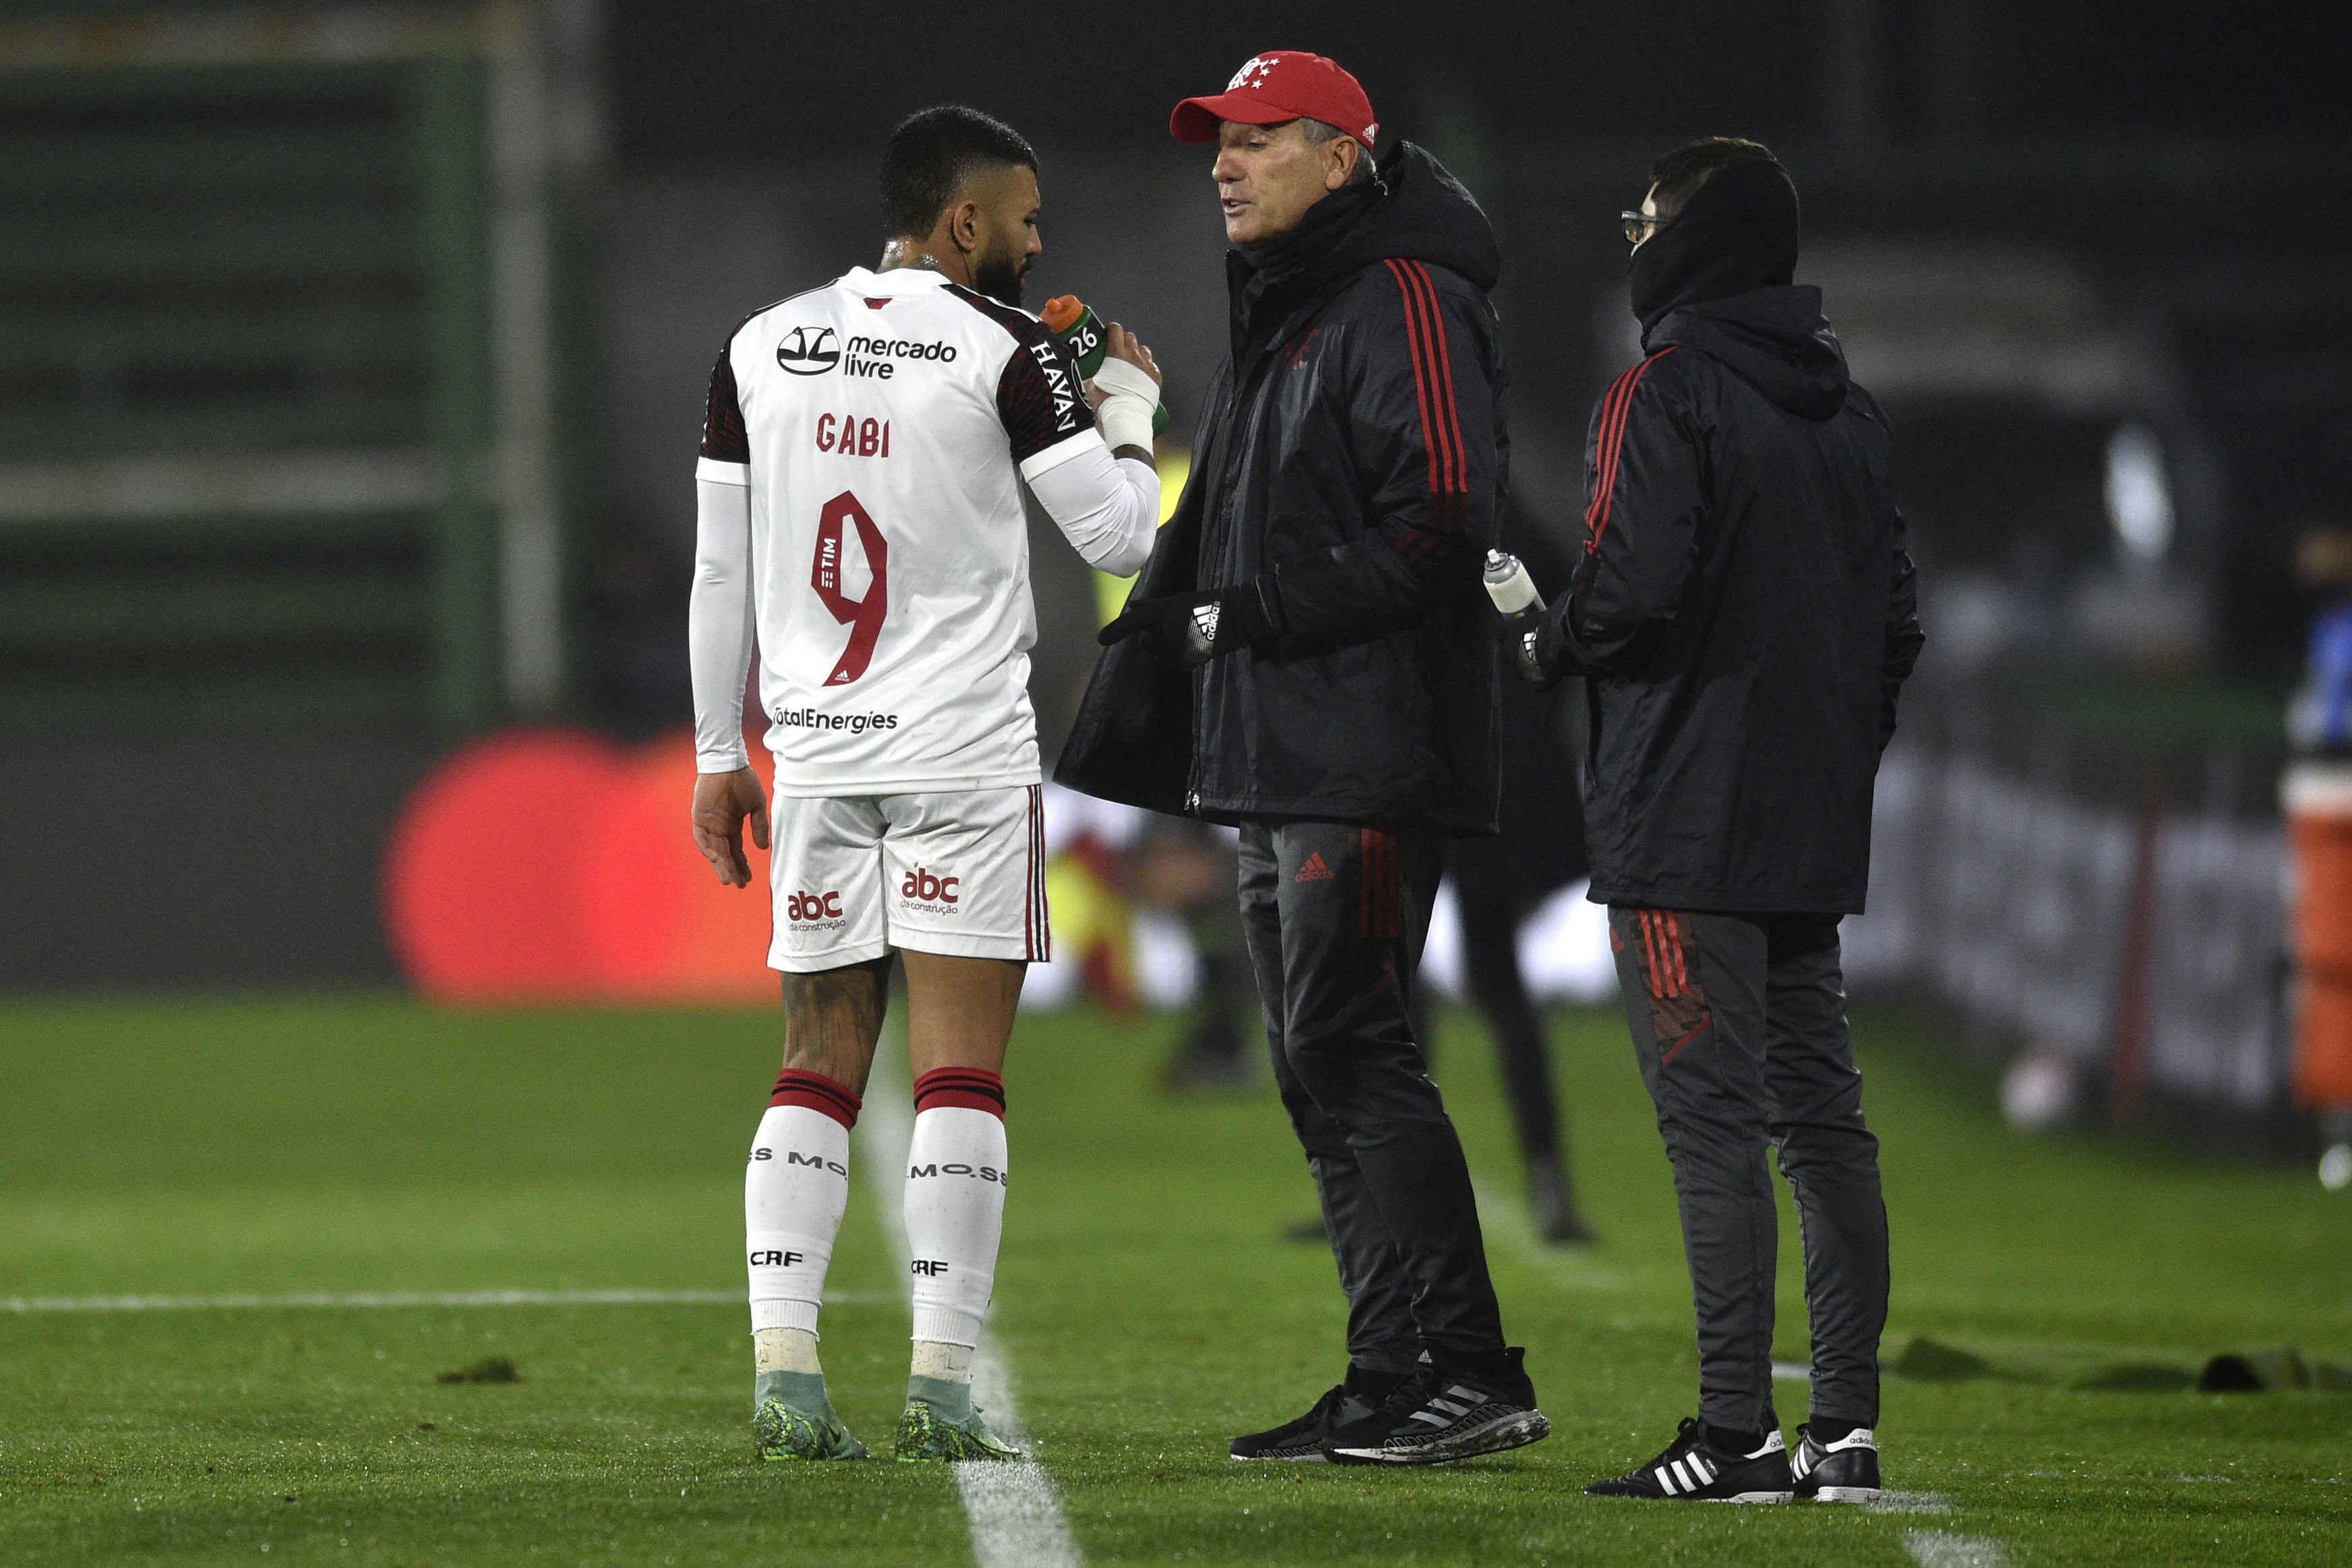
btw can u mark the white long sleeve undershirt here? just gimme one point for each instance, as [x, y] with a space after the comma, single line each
[1107, 506]
[720, 624]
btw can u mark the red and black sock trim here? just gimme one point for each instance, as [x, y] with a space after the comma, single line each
[971, 1088]
[795, 1086]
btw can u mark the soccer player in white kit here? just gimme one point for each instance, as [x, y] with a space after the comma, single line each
[861, 522]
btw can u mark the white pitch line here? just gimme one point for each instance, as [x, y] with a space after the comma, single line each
[1908, 1502]
[1941, 1549]
[397, 1299]
[1014, 1512]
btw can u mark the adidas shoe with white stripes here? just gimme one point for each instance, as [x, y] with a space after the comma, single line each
[1692, 1469]
[1842, 1471]
[1443, 1412]
[1302, 1439]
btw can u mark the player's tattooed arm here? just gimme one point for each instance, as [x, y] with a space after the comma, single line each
[833, 1019]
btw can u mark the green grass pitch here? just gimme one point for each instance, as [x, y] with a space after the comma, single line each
[1146, 1303]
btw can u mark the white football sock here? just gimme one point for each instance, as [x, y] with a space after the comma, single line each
[795, 1189]
[955, 1217]
[784, 1350]
[949, 1363]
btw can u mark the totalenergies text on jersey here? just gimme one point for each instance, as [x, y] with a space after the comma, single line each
[856, 723]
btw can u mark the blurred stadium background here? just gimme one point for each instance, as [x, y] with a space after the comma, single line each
[351, 359]
[351, 356]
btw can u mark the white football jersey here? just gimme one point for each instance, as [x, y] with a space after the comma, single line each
[884, 424]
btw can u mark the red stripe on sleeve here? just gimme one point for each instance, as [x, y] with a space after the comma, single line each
[1610, 401]
[1452, 413]
[1612, 444]
[1420, 369]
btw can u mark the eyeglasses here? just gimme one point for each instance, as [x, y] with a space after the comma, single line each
[1640, 227]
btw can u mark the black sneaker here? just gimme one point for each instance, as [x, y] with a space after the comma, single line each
[1351, 1401]
[1842, 1471]
[1692, 1469]
[1446, 1412]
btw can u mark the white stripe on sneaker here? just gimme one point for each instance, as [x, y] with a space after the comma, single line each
[1665, 1481]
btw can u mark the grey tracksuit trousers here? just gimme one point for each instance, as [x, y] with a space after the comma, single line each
[1335, 913]
[1740, 1025]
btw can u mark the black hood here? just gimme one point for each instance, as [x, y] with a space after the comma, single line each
[1776, 339]
[1737, 233]
[1412, 210]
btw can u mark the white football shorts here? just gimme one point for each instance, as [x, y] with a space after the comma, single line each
[960, 873]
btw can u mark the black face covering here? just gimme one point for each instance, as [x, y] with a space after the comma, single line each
[1738, 232]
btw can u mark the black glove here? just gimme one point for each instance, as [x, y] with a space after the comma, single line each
[1193, 628]
[1522, 637]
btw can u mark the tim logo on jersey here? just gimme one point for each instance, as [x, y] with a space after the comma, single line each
[808, 351]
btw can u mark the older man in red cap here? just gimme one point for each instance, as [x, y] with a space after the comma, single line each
[1307, 657]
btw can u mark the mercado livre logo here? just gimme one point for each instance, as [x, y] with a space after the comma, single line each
[808, 351]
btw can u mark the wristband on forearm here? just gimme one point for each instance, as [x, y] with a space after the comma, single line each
[1129, 395]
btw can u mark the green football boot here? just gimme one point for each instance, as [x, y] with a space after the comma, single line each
[791, 1418]
[943, 1423]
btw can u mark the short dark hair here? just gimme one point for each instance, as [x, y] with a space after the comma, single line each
[1678, 174]
[932, 153]
[1318, 131]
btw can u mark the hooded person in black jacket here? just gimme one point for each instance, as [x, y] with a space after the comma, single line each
[1307, 655]
[1744, 614]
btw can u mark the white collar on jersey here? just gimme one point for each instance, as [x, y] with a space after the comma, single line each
[898, 281]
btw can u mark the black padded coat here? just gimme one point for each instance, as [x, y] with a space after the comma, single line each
[1353, 447]
[1745, 611]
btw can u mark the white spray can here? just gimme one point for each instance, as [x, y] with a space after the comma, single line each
[1513, 589]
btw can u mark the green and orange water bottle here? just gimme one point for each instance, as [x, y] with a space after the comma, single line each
[1074, 322]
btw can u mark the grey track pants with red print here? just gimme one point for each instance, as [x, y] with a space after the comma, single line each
[1335, 913]
[1740, 1025]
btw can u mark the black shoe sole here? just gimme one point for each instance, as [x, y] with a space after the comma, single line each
[1515, 1429]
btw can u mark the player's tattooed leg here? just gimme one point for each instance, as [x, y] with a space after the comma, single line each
[795, 1189]
[833, 1019]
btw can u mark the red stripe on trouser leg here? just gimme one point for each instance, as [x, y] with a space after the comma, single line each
[973, 1088]
[1391, 881]
[1649, 952]
[796, 1086]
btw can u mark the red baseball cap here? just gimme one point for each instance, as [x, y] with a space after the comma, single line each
[1277, 86]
